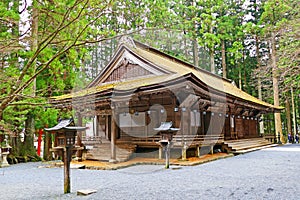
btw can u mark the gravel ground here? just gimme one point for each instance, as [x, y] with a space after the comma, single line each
[266, 174]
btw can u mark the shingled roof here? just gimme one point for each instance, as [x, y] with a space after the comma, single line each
[171, 69]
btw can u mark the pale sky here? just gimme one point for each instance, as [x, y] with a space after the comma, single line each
[24, 24]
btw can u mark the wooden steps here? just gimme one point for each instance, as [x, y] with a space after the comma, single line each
[246, 145]
[102, 152]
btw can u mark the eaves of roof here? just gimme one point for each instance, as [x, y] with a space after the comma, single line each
[177, 68]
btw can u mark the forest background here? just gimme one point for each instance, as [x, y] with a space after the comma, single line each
[53, 47]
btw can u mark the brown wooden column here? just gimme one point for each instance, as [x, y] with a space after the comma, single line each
[79, 138]
[232, 124]
[107, 128]
[113, 137]
[160, 152]
[202, 117]
[188, 121]
[79, 133]
[97, 125]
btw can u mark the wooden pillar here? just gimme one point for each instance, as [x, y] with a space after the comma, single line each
[188, 120]
[79, 138]
[183, 151]
[233, 134]
[79, 133]
[198, 151]
[202, 117]
[113, 138]
[97, 125]
[107, 126]
[160, 151]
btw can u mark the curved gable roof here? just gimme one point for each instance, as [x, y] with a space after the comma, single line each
[182, 68]
[124, 56]
[164, 68]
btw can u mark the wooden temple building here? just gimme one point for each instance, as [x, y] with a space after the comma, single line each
[142, 87]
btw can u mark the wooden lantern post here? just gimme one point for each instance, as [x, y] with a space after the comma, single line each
[65, 136]
[166, 139]
[165, 142]
[69, 143]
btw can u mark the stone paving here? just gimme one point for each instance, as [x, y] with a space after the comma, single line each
[265, 174]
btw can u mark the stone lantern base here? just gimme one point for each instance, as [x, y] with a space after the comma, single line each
[4, 160]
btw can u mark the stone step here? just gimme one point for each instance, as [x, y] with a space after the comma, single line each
[249, 144]
[245, 145]
[236, 149]
[255, 149]
[242, 141]
[102, 152]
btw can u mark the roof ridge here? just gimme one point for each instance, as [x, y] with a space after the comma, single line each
[187, 64]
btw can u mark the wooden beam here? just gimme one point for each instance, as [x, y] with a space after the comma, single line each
[113, 138]
[189, 101]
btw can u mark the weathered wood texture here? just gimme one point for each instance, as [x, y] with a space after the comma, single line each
[126, 71]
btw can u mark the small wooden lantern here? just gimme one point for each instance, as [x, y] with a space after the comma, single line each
[66, 138]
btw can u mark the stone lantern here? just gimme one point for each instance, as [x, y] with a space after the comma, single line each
[66, 133]
[4, 151]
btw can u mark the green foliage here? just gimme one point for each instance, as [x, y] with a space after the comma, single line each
[280, 19]
[75, 39]
[45, 117]
[288, 52]
[236, 51]
[275, 13]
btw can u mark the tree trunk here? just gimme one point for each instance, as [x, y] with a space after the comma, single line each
[47, 155]
[261, 123]
[224, 67]
[211, 54]
[186, 53]
[34, 35]
[288, 116]
[28, 144]
[294, 112]
[1, 114]
[195, 53]
[275, 77]
[212, 61]
[240, 77]
[30, 122]
[244, 72]
[297, 108]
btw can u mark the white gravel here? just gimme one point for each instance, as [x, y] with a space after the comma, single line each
[266, 174]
